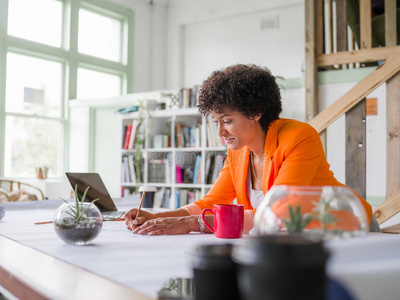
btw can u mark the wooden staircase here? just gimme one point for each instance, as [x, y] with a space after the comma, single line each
[352, 103]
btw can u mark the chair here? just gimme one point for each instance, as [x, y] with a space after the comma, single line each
[12, 190]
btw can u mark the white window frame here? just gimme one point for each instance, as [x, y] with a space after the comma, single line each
[68, 55]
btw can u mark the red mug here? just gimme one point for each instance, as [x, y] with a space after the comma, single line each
[228, 220]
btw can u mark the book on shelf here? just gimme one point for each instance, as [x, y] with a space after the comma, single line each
[197, 170]
[179, 178]
[128, 173]
[123, 136]
[210, 134]
[187, 136]
[157, 171]
[178, 135]
[159, 197]
[188, 171]
[135, 124]
[177, 203]
[127, 136]
[210, 168]
[186, 196]
[131, 167]
[195, 96]
[183, 196]
[168, 169]
[188, 97]
[218, 165]
[160, 141]
[126, 177]
[197, 138]
[165, 197]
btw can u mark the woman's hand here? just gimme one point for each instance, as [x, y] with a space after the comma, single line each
[130, 221]
[168, 225]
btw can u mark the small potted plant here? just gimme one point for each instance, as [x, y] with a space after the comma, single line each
[78, 222]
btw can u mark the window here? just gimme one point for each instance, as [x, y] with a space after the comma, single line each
[32, 143]
[41, 69]
[33, 86]
[39, 20]
[99, 35]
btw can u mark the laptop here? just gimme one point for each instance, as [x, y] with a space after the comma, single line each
[97, 189]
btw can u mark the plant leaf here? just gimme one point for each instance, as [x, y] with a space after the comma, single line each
[77, 199]
[84, 194]
[72, 215]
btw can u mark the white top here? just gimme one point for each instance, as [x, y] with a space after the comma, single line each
[256, 196]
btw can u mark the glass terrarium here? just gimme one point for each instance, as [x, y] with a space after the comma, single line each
[78, 223]
[320, 211]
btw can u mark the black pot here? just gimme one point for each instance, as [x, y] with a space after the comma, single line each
[215, 273]
[281, 267]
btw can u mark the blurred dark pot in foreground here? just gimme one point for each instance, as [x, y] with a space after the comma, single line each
[281, 267]
[215, 273]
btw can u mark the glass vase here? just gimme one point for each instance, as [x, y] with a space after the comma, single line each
[78, 225]
[320, 211]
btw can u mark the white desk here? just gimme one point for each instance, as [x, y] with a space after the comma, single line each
[34, 261]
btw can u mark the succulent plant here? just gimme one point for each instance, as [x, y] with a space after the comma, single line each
[78, 211]
[296, 222]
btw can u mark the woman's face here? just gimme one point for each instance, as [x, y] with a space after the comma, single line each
[235, 128]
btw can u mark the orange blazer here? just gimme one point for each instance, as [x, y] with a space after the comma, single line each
[293, 156]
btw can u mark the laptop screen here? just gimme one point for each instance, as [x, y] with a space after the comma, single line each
[97, 189]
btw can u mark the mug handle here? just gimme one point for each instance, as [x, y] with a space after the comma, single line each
[204, 218]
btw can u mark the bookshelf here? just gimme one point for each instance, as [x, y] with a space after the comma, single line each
[182, 165]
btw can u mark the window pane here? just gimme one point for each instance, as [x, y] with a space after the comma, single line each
[93, 84]
[32, 143]
[99, 36]
[38, 20]
[33, 86]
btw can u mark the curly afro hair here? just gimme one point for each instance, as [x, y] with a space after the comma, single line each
[248, 89]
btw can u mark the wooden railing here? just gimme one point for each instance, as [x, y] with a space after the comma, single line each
[327, 50]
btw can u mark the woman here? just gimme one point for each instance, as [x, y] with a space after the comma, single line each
[263, 150]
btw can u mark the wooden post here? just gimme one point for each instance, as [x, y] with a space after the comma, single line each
[390, 23]
[320, 26]
[330, 25]
[393, 136]
[311, 64]
[341, 25]
[319, 6]
[365, 24]
[356, 149]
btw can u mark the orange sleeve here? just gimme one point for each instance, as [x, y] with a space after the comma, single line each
[300, 160]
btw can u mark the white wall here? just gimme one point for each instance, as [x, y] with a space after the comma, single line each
[205, 35]
[149, 43]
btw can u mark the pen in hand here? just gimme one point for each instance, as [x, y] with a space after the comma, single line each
[140, 206]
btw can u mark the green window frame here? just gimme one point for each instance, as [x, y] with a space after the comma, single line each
[68, 55]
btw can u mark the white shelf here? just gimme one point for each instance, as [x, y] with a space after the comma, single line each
[155, 122]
